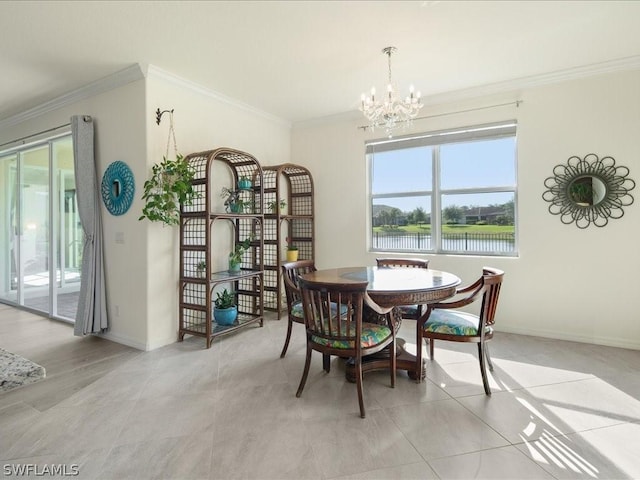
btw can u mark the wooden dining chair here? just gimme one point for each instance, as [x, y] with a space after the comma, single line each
[333, 320]
[413, 312]
[290, 273]
[447, 322]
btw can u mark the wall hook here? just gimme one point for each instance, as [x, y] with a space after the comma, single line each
[159, 114]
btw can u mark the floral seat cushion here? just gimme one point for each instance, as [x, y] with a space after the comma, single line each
[372, 334]
[453, 322]
[297, 310]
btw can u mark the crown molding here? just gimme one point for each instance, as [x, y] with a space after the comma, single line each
[559, 76]
[110, 82]
[155, 72]
[130, 74]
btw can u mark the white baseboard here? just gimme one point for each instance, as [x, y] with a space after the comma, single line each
[162, 343]
[129, 342]
[145, 346]
[571, 337]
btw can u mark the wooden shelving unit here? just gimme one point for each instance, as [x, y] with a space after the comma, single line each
[201, 228]
[293, 184]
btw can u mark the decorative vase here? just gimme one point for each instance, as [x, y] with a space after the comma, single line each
[225, 316]
[244, 184]
[292, 255]
[234, 267]
[236, 207]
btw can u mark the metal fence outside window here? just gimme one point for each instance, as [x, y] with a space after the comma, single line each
[454, 242]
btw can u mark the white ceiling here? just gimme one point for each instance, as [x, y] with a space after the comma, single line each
[300, 60]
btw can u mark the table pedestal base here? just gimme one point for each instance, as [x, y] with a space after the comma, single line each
[380, 361]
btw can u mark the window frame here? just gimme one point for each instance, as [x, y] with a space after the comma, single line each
[436, 139]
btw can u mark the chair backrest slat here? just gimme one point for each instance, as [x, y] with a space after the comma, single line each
[333, 311]
[290, 273]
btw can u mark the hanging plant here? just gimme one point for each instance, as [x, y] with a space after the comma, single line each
[169, 186]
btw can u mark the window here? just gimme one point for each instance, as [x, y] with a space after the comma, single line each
[445, 192]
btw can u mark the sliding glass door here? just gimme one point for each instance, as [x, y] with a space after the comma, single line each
[9, 238]
[33, 225]
[41, 245]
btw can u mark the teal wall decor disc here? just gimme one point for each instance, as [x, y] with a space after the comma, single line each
[118, 187]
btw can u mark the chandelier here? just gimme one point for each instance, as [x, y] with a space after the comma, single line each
[391, 110]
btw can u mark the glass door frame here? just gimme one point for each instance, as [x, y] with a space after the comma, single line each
[56, 235]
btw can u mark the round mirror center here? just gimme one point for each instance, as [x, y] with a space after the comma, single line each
[587, 190]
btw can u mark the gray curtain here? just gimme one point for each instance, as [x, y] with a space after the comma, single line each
[91, 316]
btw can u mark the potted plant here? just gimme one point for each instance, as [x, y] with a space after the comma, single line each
[225, 311]
[169, 187]
[201, 268]
[244, 183]
[233, 203]
[274, 206]
[292, 251]
[235, 257]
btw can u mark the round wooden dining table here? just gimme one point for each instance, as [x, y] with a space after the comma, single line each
[393, 287]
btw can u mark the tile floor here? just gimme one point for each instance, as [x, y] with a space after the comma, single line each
[559, 410]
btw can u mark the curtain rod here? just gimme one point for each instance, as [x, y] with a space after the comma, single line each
[86, 118]
[516, 103]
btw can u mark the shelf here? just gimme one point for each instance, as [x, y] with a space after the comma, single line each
[293, 184]
[225, 276]
[197, 233]
[242, 321]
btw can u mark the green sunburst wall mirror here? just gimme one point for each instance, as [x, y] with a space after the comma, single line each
[588, 190]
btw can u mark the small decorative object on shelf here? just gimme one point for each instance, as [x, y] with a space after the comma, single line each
[235, 257]
[292, 251]
[274, 206]
[201, 269]
[244, 183]
[225, 311]
[233, 203]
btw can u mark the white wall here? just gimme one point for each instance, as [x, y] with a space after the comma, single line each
[566, 283]
[119, 122]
